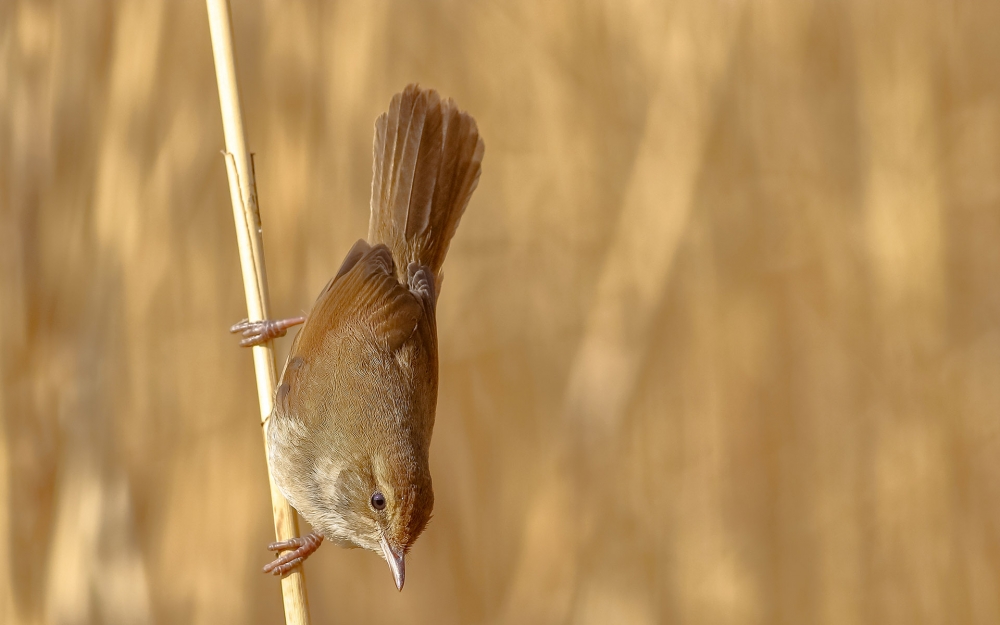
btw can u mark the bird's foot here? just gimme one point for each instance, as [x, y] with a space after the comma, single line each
[260, 332]
[298, 550]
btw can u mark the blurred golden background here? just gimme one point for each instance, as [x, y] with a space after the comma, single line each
[720, 331]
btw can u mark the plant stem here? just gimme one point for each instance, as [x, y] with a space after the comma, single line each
[243, 192]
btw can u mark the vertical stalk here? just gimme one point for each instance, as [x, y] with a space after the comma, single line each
[243, 192]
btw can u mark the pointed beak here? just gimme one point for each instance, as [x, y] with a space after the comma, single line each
[396, 564]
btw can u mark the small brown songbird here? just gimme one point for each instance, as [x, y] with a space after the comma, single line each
[349, 435]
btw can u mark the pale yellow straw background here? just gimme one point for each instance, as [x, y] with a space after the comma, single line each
[720, 331]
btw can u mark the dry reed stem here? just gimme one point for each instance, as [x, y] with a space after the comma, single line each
[242, 189]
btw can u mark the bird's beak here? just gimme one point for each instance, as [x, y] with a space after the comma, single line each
[396, 564]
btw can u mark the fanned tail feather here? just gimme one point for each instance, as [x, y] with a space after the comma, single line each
[428, 156]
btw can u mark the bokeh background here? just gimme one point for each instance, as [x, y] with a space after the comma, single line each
[720, 331]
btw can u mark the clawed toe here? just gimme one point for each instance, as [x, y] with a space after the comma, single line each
[283, 565]
[254, 332]
[260, 332]
[298, 550]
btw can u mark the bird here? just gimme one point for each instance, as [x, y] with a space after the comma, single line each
[349, 436]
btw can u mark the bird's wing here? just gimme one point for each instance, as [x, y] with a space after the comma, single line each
[363, 312]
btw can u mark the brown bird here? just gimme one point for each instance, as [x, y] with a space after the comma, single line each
[349, 435]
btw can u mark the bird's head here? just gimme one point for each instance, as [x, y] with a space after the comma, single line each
[380, 501]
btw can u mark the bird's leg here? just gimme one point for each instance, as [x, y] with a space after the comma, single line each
[259, 332]
[298, 550]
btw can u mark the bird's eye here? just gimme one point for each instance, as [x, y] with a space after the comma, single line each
[378, 501]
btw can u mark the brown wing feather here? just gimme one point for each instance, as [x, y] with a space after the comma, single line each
[365, 298]
[368, 296]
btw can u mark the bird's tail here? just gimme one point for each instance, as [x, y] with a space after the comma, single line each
[427, 161]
